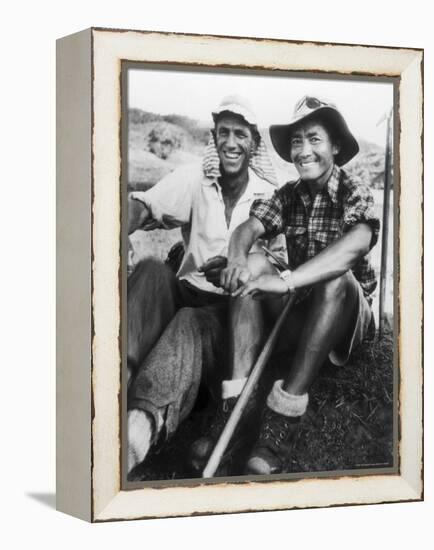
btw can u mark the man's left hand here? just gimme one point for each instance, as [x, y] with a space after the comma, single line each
[212, 269]
[265, 286]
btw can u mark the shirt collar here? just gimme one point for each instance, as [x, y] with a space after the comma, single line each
[332, 186]
[255, 185]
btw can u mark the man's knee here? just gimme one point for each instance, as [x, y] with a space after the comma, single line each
[149, 273]
[259, 265]
[202, 319]
[150, 286]
[151, 305]
[335, 289]
[185, 316]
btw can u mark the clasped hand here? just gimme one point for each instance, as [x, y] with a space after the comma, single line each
[236, 278]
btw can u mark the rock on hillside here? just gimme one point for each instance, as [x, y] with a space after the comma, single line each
[145, 169]
[157, 146]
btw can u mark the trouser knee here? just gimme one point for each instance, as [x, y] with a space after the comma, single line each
[185, 316]
[151, 304]
[150, 273]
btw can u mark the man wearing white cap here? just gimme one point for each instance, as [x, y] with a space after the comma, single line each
[330, 225]
[177, 324]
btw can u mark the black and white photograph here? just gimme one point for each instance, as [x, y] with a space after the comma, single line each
[217, 275]
[259, 269]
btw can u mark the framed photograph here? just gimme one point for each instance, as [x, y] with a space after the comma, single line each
[239, 274]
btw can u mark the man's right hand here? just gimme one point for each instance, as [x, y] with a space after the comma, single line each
[138, 215]
[235, 275]
[237, 272]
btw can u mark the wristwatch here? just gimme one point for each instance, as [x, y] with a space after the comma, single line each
[288, 279]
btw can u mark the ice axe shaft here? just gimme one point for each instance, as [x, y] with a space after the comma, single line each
[222, 443]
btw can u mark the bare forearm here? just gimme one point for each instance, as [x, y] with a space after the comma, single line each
[243, 238]
[237, 272]
[336, 259]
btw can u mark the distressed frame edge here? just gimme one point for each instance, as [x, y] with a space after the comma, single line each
[411, 314]
[411, 489]
[407, 493]
[194, 36]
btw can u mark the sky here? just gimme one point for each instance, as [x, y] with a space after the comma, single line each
[196, 94]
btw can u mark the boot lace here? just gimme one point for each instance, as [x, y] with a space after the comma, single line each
[276, 428]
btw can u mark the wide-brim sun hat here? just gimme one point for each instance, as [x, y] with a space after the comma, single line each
[237, 105]
[310, 107]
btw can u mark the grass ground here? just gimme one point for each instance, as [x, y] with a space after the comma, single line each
[348, 425]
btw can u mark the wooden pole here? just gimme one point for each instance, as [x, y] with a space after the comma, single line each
[385, 235]
[222, 443]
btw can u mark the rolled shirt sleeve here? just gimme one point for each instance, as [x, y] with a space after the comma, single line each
[270, 213]
[359, 207]
[170, 200]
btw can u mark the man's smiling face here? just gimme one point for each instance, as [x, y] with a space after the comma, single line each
[235, 144]
[313, 151]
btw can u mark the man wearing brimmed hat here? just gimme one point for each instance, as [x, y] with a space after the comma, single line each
[176, 324]
[330, 225]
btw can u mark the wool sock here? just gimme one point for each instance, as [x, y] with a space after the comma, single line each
[285, 403]
[141, 435]
[233, 388]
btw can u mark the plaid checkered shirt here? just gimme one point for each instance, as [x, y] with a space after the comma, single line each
[310, 227]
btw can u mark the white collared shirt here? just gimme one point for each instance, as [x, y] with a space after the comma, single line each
[186, 198]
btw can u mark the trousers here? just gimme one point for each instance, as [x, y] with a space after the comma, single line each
[176, 339]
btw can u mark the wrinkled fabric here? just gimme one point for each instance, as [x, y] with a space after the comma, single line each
[169, 379]
[186, 198]
[310, 226]
[152, 291]
[176, 338]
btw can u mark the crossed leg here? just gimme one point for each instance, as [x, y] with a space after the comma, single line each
[165, 389]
